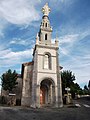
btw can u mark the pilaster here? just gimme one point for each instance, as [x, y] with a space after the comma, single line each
[60, 101]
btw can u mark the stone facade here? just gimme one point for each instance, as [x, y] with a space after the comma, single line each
[41, 77]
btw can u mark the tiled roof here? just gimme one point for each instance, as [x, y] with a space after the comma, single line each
[28, 63]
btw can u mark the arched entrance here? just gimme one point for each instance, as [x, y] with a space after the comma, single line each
[47, 92]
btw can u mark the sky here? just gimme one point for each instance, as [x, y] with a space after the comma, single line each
[70, 19]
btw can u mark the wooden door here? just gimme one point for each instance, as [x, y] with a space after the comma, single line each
[42, 95]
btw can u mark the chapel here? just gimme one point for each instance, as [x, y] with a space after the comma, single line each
[41, 79]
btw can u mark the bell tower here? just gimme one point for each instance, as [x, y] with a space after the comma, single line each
[45, 28]
[41, 77]
[46, 80]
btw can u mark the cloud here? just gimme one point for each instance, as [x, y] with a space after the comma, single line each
[68, 38]
[75, 55]
[67, 42]
[57, 2]
[10, 58]
[24, 42]
[71, 38]
[3, 25]
[61, 5]
[82, 77]
[19, 11]
[80, 67]
[1, 34]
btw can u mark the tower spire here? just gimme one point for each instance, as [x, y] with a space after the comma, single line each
[56, 40]
[45, 28]
[46, 10]
[37, 39]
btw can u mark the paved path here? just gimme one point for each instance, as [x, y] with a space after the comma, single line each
[66, 113]
[81, 105]
[80, 112]
[83, 102]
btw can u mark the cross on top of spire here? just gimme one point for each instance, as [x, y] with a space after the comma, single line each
[46, 10]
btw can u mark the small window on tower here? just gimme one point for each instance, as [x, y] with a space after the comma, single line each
[45, 36]
[46, 25]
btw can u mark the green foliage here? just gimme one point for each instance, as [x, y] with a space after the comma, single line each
[68, 79]
[9, 80]
[85, 87]
[86, 90]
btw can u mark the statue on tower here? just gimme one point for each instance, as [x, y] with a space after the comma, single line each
[46, 10]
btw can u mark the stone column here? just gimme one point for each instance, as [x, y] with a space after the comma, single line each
[38, 96]
[33, 95]
[25, 101]
[34, 81]
[60, 101]
[56, 96]
[51, 93]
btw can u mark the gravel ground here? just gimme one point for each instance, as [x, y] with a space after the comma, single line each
[65, 113]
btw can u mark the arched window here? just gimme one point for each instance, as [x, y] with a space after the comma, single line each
[45, 36]
[47, 61]
[46, 25]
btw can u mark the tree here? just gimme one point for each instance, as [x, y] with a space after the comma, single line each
[8, 80]
[68, 79]
[85, 87]
[85, 90]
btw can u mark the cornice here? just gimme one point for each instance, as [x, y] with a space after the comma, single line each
[47, 46]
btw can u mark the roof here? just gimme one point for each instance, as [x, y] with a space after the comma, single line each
[61, 67]
[25, 64]
[19, 75]
[28, 63]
